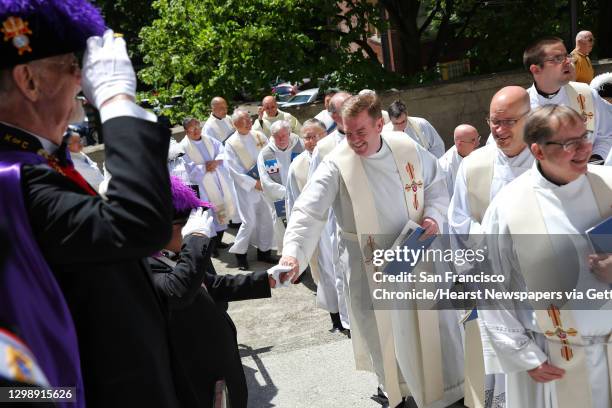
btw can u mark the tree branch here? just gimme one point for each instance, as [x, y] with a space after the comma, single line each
[430, 17]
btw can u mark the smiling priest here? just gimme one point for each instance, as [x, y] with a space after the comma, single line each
[368, 180]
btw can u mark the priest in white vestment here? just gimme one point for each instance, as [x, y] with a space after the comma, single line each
[273, 165]
[550, 65]
[480, 177]
[241, 152]
[557, 357]
[331, 293]
[270, 113]
[205, 164]
[218, 125]
[466, 140]
[321, 265]
[325, 116]
[419, 129]
[376, 202]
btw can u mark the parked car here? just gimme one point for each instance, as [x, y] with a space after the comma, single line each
[302, 98]
[284, 91]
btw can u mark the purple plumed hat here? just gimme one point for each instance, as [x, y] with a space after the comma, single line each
[184, 199]
[35, 29]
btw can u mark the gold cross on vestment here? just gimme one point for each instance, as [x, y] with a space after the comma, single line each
[413, 186]
[555, 315]
[259, 143]
[582, 102]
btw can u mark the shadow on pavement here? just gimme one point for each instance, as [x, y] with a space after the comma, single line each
[260, 395]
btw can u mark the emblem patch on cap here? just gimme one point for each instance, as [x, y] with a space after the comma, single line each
[16, 29]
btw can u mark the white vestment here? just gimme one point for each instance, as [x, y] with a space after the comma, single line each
[321, 261]
[328, 121]
[219, 179]
[449, 162]
[603, 119]
[264, 124]
[219, 129]
[426, 135]
[505, 169]
[326, 189]
[334, 258]
[462, 222]
[257, 227]
[272, 190]
[514, 334]
[87, 168]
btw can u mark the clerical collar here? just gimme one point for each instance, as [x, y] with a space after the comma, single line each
[216, 117]
[546, 95]
[545, 177]
[27, 136]
[341, 132]
[199, 141]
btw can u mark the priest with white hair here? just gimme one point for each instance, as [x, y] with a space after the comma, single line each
[555, 353]
[241, 152]
[376, 183]
[273, 165]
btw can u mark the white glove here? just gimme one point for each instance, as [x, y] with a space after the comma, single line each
[276, 271]
[200, 222]
[107, 69]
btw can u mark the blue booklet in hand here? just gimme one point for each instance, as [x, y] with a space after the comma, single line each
[410, 238]
[600, 237]
[253, 172]
[279, 207]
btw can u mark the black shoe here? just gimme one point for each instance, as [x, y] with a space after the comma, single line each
[222, 245]
[234, 225]
[214, 253]
[266, 256]
[243, 264]
[380, 397]
[346, 332]
[336, 323]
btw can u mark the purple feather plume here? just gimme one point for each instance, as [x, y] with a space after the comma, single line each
[184, 198]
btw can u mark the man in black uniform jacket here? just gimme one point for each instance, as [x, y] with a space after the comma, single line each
[204, 334]
[96, 248]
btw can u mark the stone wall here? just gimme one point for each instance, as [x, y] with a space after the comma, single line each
[449, 104]
[445, 105]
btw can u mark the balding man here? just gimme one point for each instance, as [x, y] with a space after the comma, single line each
[218, 125]
[580, 55]
[480, 177]
[270, 113]
[549, 64]
[466, 140]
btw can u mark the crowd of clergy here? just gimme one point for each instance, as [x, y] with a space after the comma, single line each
[109, 286]
[299, 189]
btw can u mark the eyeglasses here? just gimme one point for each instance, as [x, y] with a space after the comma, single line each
[558, 59]
[506, 123]
[74, 64]
[571, 145]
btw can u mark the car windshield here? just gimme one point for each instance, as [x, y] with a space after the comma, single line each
[299, 98]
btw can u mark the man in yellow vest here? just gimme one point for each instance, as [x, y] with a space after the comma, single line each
[580, 55]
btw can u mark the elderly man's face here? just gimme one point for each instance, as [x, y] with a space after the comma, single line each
[194, 130]
[219, 108]
[74, 143]
[556, 66]
[270, 107]
[243, 125]
[311, 136]
[281, 139]
[565, 164]
[59, 81]
[466, 142]
[363, 133]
